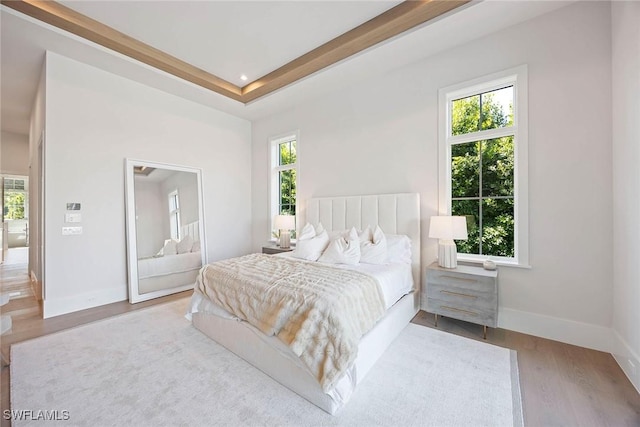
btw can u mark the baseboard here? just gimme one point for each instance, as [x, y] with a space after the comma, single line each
[626, 357]
[56, 306]
[568, 331]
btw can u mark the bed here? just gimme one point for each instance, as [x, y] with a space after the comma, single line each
[168, 271]
[396, 214]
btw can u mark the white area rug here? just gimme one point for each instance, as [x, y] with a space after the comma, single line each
[152, 368]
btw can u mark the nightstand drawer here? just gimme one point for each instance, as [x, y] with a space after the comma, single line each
[457, 280]
[480, 296]
[475, 313]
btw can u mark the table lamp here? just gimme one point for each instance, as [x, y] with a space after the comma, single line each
[447, 228]
[285, 223]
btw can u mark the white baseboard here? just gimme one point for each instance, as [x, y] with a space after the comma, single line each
[57, 306]
[554, 328]
[625, 356]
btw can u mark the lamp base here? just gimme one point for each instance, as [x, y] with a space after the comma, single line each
[285, 239]
[447, 254]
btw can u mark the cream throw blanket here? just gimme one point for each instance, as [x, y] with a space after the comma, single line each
[318, 310]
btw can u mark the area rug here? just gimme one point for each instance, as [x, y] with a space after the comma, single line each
[152, 368]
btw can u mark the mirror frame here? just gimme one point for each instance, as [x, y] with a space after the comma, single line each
[131, 228]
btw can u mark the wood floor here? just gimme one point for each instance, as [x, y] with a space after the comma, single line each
[562, 385]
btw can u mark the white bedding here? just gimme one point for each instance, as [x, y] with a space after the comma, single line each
[395, 281]
[168, 264]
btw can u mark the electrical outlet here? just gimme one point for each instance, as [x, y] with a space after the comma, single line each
[73, 217]
[70, 231]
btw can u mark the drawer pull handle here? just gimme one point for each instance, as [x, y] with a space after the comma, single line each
[459, 279]
[470, 313]
[458, 294]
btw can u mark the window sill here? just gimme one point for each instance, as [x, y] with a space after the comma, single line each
[465, 260]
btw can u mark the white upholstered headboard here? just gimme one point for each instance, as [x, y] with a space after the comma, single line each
[192, 229]
[394, 213]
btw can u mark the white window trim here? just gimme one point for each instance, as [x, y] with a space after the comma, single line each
[175, 213]
[518, 77]
[274, 170]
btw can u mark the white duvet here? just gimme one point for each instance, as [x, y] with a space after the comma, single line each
[168, 264]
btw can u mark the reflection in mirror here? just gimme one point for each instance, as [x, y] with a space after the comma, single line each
[164, 228]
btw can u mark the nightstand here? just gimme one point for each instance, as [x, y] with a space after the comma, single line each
[271, 249]
[465, 293]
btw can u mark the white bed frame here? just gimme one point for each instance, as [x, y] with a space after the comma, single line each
[396, 214]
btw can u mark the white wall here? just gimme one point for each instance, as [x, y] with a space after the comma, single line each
[94, 121]
[626, 185]
[15, 154]
[381, 136]
[152, 217]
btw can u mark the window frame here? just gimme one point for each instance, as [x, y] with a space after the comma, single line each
[174, 215]
[275, 169]
[518, 78]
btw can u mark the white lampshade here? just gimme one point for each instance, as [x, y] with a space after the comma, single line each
[284, 222]
[448, 227]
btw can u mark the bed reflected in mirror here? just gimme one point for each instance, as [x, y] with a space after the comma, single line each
[165, 233]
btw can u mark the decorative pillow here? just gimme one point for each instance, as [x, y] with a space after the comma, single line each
[373, 246]
[398, 248]
[308, 232]
[196, 246]
[169, 247]
[343, 251]
[311, 243]
[184, 246]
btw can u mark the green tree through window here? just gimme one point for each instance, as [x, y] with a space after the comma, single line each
[14, 205]
[482, 173]
[287, 179]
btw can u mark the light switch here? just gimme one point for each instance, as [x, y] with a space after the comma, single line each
[73, 217]
[71, 231]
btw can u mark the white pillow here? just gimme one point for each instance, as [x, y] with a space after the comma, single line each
[311, 243]
[343, 251]
[373, 246]
[196, 246]
[398, 248]
[184, 246]
[169, 248]
[308, 232]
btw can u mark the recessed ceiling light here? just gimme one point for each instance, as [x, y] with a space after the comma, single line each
[243, 78]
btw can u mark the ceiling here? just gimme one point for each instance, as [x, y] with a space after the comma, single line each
[229, 39]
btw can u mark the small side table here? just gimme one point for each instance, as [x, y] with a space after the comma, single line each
[271, 249]
[466, 293]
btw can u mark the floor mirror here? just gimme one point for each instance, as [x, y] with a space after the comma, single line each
[165, 230]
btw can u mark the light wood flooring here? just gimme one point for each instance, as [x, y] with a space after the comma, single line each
[562, 385]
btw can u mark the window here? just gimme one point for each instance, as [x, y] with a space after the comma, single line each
[483, 165]
[174, 215]
[284, 166]
[16, 199]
